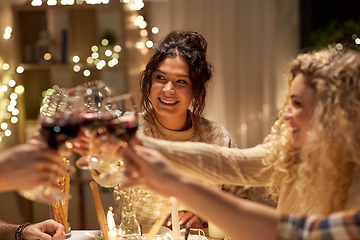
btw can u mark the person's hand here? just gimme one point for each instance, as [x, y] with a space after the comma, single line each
[111, 146]
[150, 168]
[82, 145]
[46, 230]
[186, 217]
[28, 165]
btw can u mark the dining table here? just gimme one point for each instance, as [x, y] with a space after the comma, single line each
[81, 234]
[84, 234]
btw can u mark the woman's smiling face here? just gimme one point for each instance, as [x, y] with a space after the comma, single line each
[171, 88]
[301, 109]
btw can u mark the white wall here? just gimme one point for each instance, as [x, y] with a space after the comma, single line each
[250, 44]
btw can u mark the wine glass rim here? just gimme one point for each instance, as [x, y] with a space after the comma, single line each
[119, 97]
[92, 83]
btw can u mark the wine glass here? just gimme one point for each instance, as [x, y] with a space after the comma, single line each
[96, 92]
[122, 119]
[121, 123]
[60, 121]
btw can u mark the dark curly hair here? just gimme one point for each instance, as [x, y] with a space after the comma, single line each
[192, 47]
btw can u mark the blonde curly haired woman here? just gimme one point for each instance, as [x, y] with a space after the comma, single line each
[319, 162]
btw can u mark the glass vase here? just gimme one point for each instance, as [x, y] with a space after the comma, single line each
[129, 227]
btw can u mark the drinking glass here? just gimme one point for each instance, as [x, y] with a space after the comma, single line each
[60, 121]
[121, 122]
[122, 119]
[96, 92]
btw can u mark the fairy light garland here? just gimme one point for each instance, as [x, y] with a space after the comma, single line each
[108, 56]
[10, 90]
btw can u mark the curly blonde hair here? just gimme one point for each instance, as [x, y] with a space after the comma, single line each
[322, 169]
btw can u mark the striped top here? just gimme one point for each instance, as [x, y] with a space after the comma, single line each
[337, 226]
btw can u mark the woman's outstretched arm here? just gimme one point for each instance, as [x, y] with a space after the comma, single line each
[241, 219]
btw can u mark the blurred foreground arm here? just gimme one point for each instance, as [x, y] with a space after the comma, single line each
[28, 165]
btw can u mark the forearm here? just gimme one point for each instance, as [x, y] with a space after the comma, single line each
[5, 184]
[217, 164]
[7, 231]
[237, 217]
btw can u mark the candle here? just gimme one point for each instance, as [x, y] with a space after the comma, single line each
[175, 219]
[215, 231]
[112, 233]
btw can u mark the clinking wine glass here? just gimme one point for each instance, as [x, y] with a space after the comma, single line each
[96, 92]
[60, 121]
[121, 123]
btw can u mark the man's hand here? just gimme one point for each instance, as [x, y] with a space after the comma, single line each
[46, 230]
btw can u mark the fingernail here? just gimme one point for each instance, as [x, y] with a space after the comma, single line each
[168, 223]
[180, 222]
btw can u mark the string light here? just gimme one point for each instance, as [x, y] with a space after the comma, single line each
[95, 55]
[76, 59]
[116, 56]
[90, 60]
[94, 48]
[149, 44]
[108, 53]
[155, 30]
[87, 73]
[51, 2]
[12, 83]
[9, 91]
[7, 34]
[20, 69]
[143, 33]
[140, 45]
[36, 3]
[76, 68]
[6, 66]
[104, 42]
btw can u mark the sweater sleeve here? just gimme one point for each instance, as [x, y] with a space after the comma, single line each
[221, 165]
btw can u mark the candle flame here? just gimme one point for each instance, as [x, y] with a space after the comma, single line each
[110, 220]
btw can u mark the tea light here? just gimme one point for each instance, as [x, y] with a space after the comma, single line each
[175, 219]
[112, 233]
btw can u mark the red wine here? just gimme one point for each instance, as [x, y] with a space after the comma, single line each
[56, 134]
[123, 130]
[94, 122]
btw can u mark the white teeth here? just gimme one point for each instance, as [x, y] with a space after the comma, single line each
[168, 102]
